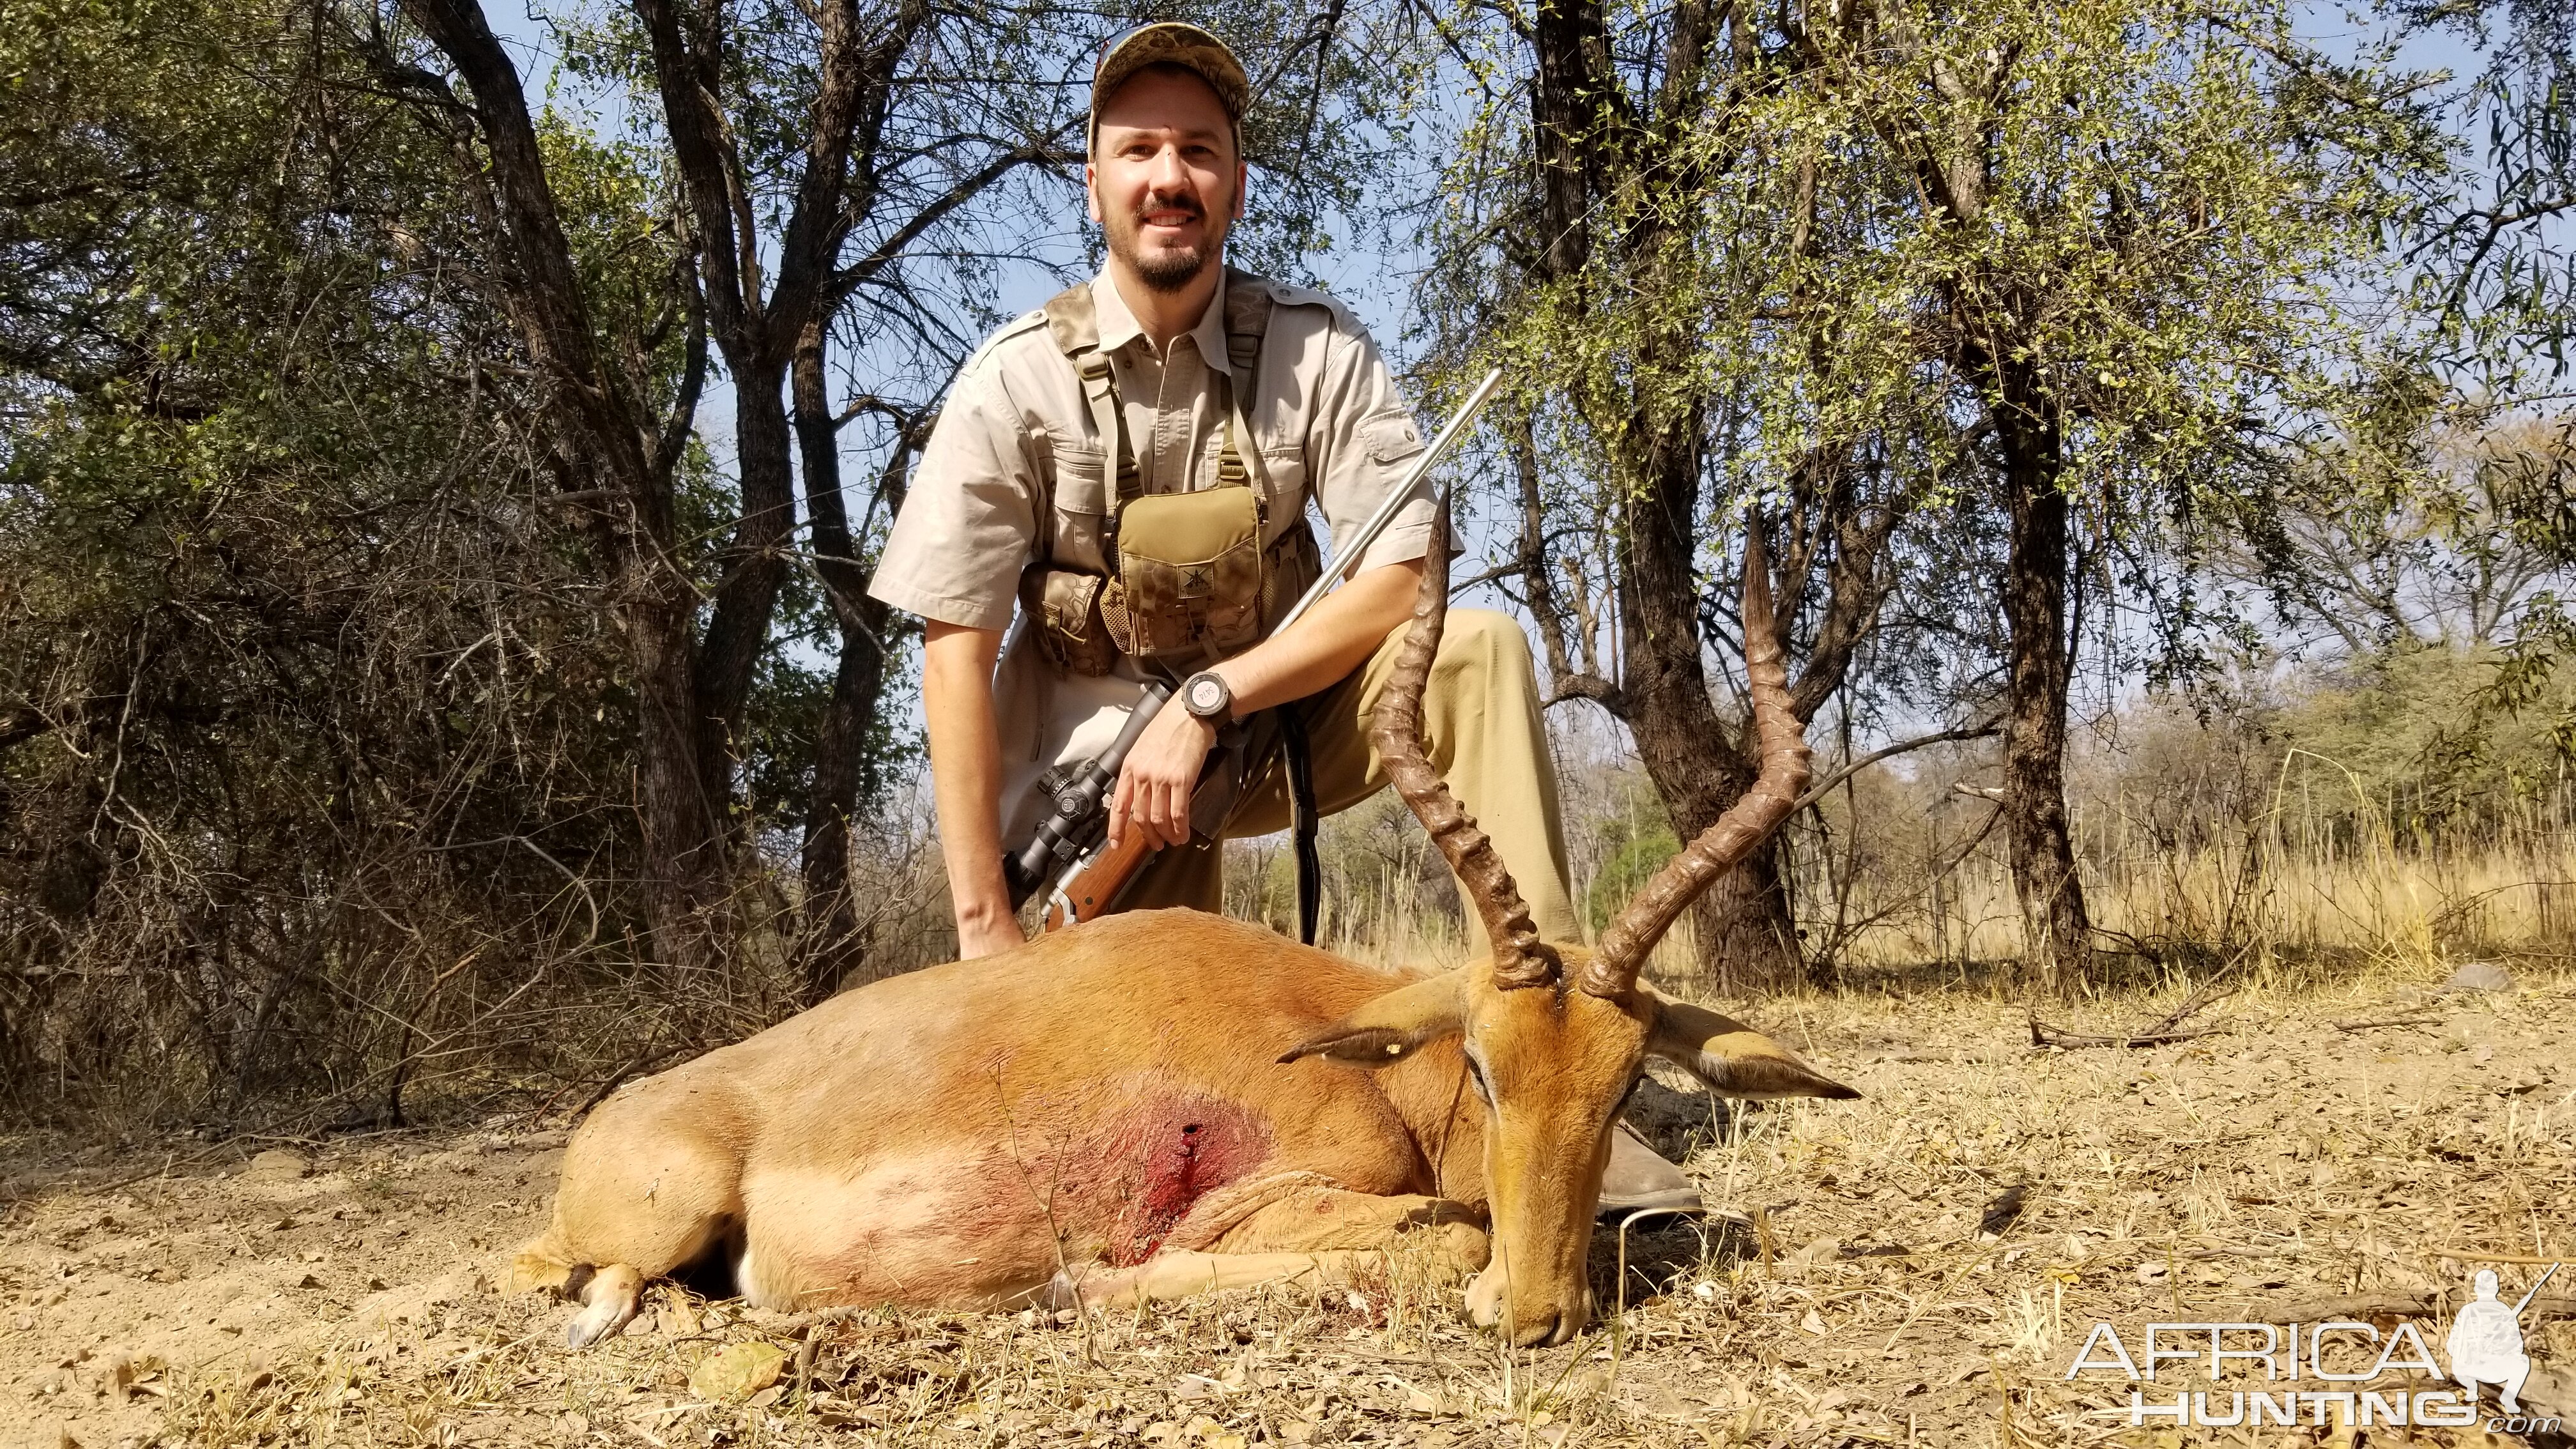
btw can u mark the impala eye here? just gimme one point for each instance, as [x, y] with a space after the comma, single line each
[1476, 1071]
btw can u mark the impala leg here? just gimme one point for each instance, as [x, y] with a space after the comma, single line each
[609, 1301]
[1315, 1235]
[645, 1189]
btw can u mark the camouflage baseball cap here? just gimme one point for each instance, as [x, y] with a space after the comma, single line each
[1172, 42]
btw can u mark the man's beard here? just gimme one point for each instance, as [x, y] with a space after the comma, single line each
[1169, 271]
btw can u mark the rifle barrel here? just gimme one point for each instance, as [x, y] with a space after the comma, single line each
[1349, 557]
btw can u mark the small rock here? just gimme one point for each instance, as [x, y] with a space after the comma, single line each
[278, 1164]
[2479, 976]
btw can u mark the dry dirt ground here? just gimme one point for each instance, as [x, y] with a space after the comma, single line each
[1917, 1268]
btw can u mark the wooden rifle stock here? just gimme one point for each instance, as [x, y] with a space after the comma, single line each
[1090, 890]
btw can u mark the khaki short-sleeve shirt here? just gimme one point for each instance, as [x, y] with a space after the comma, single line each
[1013, 472]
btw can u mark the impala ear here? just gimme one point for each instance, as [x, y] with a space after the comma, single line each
[1734, 1059]
[1388, 1028]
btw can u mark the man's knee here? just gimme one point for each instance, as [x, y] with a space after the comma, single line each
[1486, 641]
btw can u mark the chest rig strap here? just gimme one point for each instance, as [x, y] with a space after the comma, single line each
[1074, 324]
[1247, 321]
[1075, 633]
[1075, 327]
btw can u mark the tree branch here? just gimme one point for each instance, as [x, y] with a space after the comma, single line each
[1824, 787]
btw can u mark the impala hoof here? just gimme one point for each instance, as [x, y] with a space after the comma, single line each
[609, 1301]
[588, 1326]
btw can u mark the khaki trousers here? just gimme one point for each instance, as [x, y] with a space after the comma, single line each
[1481, 731]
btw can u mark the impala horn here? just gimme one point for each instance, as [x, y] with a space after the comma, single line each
[1774, 795]
[1395, 729]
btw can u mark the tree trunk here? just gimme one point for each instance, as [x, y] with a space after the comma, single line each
[683, 855]
[1586, 142]
[833, 944]
[754, 564]
[2056, 932]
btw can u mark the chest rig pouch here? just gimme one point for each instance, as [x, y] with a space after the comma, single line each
[1193, 576]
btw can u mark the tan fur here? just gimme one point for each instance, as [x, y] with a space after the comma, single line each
[962, 1136]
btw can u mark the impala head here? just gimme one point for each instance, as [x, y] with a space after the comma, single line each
[1556, 1036]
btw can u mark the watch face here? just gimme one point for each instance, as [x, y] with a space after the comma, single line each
[1206, 696]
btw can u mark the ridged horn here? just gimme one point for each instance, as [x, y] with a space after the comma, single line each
[1395, 729]
[1652, 911]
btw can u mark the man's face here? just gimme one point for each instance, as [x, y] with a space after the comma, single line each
[1164, 178]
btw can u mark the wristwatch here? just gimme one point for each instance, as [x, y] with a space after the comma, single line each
[1206, 697]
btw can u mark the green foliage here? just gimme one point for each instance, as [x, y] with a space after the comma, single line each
[2406, 727]
[2156, 207]
[2165, 225]
[294, 715]
[1634, 861]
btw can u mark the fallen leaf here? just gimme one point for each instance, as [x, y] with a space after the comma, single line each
[737, 1372]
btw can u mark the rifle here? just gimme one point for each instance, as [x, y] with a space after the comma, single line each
[1090, 876]
[1079, 817]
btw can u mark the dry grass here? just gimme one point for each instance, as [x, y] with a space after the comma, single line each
[2280, 1164]
[2296, 868]
[2403, 912]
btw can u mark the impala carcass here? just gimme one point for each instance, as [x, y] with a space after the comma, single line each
[1159, 1103]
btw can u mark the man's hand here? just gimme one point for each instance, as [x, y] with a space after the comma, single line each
[1334, 638]
[1161, 773]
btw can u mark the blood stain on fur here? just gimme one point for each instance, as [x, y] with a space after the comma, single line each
[1164, 1154]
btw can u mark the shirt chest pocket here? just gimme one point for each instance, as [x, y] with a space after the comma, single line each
[1391, 440]
[1079, 508]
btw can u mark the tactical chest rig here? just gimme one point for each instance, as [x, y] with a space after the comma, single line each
[1192, 577]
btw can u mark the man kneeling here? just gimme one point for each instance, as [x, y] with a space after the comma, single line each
[1128, 469]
